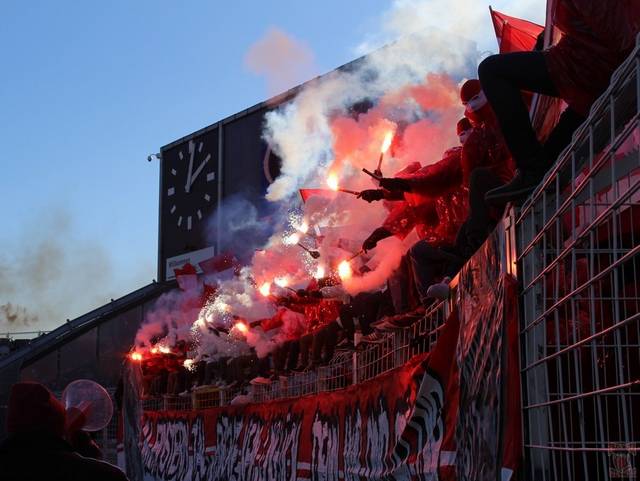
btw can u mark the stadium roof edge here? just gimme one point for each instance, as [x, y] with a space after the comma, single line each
[71, 329]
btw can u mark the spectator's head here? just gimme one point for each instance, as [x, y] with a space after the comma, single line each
[463, 128]
[34, 409]
[475, 103]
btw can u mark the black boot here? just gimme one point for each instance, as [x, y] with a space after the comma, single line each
[522, 184]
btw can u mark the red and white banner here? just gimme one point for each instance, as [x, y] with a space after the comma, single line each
[451, 414]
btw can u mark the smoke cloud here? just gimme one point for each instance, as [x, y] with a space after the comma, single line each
[16, 315]
[282, 59]
[54, 274]
[333, 128]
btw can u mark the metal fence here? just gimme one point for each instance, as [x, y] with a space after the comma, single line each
[344, 369]
[580, 301]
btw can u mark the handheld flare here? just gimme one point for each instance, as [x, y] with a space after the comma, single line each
[386, 143]
[312, 253]
[332, 182]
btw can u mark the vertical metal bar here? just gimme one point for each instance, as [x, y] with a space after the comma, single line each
[161, 262]
[220, 185]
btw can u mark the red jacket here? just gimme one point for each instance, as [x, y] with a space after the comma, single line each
[597, 35]
[440, 178]
[485, 147]
[405, 216]
[322, 313]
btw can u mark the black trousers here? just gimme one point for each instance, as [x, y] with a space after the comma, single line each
[285, 357]
[482, 216]
[367, 307]
[503, 77]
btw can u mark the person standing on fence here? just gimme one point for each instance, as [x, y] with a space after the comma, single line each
[597, 35]
[36, 449]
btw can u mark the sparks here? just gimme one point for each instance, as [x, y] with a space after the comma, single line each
[332, 182]
[304, 227]
[199, 324]
[135, 356]
[265, 289]
[386, 143]
[281, 281]
[189, 364]
[344, 270]
[292, 239]
[242, 327]
[320, 272]
[154, 350]
[164, 349]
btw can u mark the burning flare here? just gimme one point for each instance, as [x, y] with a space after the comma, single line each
[135, 356]
[265, 289]
[188, 364]
[332, 182]
[241, 327]
[320, 272]
[304, 227]
[281, 281]
[386, 143]
[292, 239]
[344, 270]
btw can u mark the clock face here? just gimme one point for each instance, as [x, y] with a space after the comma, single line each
[190, 181]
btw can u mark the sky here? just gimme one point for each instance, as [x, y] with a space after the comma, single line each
[89, 89]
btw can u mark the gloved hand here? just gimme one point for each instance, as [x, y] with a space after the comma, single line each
[376, 236]
[395, 183]
[371, 195]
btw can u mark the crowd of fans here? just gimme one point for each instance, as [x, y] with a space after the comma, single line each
[452, 204]
[443, 202]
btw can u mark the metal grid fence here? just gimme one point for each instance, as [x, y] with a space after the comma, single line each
[580, 325]
[344, 369]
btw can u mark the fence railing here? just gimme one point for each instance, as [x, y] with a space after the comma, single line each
[579, 271]
[344, 369]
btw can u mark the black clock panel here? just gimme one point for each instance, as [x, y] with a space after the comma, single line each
[188, 194]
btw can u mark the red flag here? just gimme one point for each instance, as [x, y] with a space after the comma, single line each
[187, 277]
[514, 34]
[185, 270]
[306, 193]
[219, 263]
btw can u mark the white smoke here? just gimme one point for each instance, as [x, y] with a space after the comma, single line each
[411, 88]
[282, 59]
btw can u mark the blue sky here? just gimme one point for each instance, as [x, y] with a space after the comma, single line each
[89, 89]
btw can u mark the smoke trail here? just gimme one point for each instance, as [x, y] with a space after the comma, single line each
[55, 273]
[282, 59]
[16, 315]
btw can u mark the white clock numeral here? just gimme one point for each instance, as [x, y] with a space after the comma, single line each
[180, 155]
[211, 176]
[173, 208]
[179, 221]
[206, 197]
[189, 223]
[173, 172]
[200, 147]
[199, 215]
[171, 191]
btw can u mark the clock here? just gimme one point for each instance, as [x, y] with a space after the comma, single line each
[187, 194]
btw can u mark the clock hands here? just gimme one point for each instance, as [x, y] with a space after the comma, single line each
[198, 170]
[192, 152]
